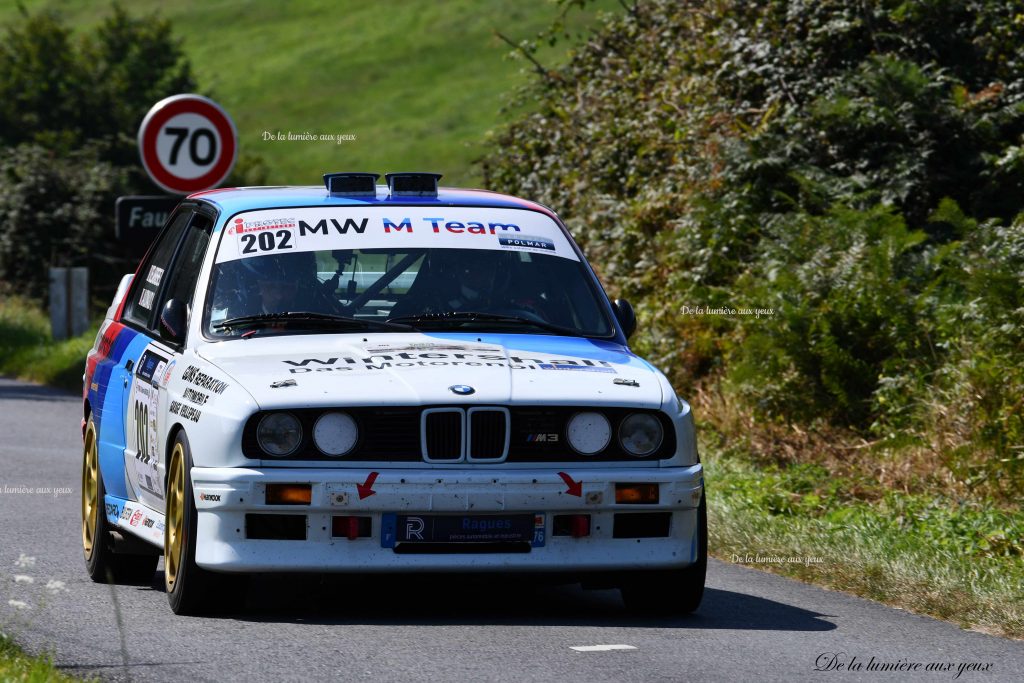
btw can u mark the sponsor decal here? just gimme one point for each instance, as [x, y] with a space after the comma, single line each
[469, 524]
[112, 509]
[193, 396]
[195, 376]
[527, 242]
[148, 522]
[210, 497]
[469, 227]
[146, 300]
[185, 411]
[167, 373]
[430, 346]
[240, 226]
[136, 518]
[562, 366]
[155, 275]
[341, 228]
[150, 364]
[145, 402]
[367, 227]
[407, 359]
[439, 224]
[126, 513]
[158, 372]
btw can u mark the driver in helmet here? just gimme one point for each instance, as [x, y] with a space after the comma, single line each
[474, 274]
[272, 284]
[463, 280]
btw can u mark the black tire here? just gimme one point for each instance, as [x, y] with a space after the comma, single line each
[672, 592]
[190, 588]
[101, 562]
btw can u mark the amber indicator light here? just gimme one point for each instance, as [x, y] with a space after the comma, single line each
[289, 494]
[636, 494]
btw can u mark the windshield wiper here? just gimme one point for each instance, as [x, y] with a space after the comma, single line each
[479, 316]
[307, 318]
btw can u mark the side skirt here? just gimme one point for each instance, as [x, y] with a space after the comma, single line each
[132, 518]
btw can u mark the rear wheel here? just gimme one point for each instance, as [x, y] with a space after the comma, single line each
[676, 591]
[101, 562]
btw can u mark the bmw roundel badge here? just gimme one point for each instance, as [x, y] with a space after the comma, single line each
[461, 389]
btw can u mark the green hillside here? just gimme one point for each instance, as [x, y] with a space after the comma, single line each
[417, 83]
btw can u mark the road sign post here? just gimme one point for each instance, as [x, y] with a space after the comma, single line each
[69, 302]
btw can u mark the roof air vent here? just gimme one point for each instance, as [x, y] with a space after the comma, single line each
[413, 184]
[351, 184]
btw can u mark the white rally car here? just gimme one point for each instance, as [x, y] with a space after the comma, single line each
[372, 378]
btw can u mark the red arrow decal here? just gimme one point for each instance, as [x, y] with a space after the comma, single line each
[366, 489]
[575, 487]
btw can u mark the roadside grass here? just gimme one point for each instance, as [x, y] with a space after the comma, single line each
[418, 83]
[958, 560]
[17, 667]
[28, 353]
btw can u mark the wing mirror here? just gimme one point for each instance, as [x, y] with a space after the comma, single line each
[626, 316]
[174, 320]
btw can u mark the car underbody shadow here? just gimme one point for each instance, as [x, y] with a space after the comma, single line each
[470, 599]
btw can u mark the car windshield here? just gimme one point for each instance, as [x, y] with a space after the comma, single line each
[513, 284]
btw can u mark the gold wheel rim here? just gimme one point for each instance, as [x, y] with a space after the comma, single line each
[90, 491]
[175, 532]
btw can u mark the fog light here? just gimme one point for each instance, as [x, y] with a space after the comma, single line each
[633, 494]
[289, 494]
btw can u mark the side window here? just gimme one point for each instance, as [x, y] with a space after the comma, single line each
[142, 300]
[181, 283]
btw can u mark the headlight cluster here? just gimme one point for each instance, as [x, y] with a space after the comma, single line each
[280, 434]
[590, 432]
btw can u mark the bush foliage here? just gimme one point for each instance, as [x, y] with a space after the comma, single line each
[856, 167]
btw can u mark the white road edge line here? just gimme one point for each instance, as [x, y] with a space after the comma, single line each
[601, 648]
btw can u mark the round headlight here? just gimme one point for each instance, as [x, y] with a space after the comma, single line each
[279, 434]
[589, 433]
[641, 434]
[335, 433]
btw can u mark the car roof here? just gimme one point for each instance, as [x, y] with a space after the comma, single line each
[235, 199]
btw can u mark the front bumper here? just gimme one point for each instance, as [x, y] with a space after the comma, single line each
[224, 496]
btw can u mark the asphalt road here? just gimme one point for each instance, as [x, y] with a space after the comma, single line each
[751, 626]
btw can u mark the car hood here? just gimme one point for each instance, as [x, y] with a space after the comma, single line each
[422, 369]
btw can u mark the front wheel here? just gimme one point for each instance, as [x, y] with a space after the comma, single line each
[101, 562]
[190, 588]
[675, 591]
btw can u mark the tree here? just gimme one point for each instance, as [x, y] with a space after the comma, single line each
[64, 93]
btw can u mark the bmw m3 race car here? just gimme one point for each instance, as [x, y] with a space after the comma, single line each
[381, 378]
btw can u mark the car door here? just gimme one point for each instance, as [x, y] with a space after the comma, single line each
[170, 274]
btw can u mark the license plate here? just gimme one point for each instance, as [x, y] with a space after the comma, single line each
[517, 528]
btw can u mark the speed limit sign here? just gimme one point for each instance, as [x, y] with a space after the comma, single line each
[188, 144]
